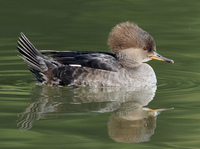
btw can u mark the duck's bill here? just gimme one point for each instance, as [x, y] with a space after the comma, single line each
[158, 111]
[159, 57]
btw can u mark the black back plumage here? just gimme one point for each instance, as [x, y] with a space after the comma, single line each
[63, 64]
[97, 60]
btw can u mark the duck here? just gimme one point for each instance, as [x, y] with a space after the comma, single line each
[131, 47]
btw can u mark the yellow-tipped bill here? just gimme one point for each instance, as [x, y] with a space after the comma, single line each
[157, 56]
[158, 111]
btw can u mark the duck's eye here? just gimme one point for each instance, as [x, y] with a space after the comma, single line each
[145, 48]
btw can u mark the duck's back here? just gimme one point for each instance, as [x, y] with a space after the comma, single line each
[69, 67]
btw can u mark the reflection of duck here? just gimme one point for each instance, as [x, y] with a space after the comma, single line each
[48, 99]
[130, 122]
[131, 46]
[133, 123]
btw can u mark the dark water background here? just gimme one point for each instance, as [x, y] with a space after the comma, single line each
[34, 116]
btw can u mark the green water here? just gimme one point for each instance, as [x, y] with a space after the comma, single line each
[35, 116]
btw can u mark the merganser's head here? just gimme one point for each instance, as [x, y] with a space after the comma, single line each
[133, 45]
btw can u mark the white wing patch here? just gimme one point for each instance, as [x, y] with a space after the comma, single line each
[75, 65]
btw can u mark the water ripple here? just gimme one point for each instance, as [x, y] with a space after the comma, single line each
[180, 81]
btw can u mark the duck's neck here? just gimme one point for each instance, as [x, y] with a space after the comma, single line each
[128, 58]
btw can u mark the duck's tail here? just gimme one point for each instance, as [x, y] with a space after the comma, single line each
[39, 64]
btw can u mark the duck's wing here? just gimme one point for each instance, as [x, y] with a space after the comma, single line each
[97, 60]
[67, 68]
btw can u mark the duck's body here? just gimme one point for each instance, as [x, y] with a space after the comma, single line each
[131, 46]
[95, 75]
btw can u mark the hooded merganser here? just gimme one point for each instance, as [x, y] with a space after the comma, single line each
[131, 47]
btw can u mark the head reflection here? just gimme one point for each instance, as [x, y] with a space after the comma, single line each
[133, 123]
